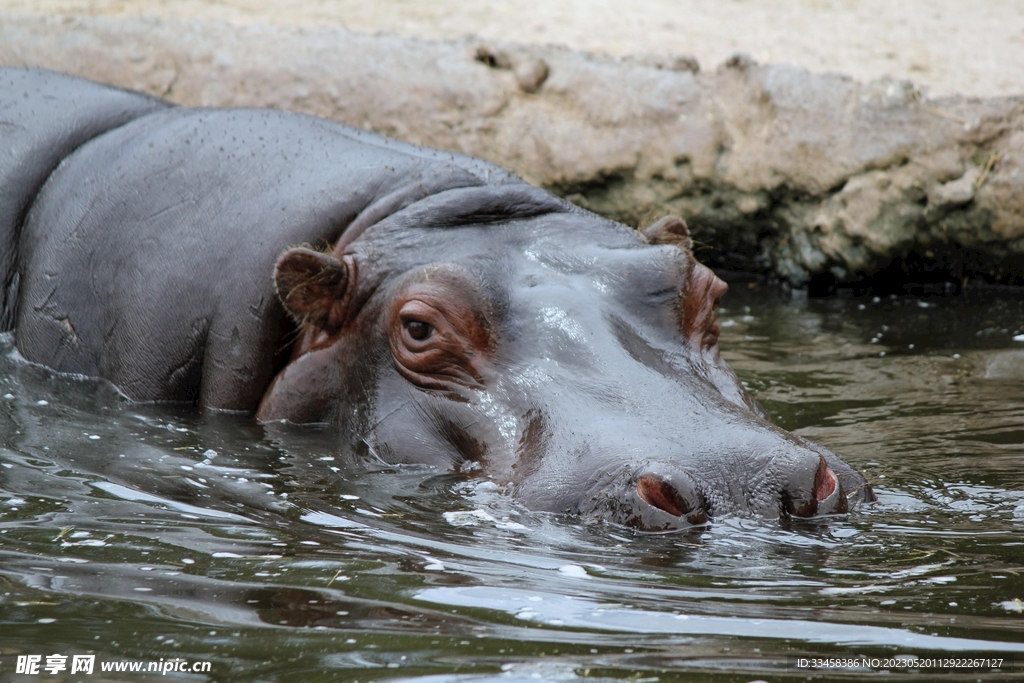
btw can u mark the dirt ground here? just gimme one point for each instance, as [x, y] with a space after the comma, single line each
[972, 47]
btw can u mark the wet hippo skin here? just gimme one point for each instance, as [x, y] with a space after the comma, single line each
[433, 305]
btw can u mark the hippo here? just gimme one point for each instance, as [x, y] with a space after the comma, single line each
[432, 306]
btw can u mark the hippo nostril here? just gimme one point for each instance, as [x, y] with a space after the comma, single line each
[661, 494]
[824, 482]
[828, 495]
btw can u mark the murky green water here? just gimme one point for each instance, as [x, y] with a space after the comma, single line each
[141, 533]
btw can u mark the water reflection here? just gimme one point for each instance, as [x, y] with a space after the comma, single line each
[141, 532]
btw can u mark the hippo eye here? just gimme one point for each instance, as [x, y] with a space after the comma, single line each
[438, 336]
[418, 329]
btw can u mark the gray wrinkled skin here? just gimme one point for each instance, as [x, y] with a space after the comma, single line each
[148, 258]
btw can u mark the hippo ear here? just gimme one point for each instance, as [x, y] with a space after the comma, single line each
[312, 287]
[669, 230]
[700, 298]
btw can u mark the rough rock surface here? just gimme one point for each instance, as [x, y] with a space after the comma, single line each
[806, 176]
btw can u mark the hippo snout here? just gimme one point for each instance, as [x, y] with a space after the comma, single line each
[663, 502]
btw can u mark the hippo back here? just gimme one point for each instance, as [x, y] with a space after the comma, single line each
[44, 116]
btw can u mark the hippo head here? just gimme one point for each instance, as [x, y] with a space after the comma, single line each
[574, 359]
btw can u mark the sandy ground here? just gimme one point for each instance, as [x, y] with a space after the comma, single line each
[974, 47]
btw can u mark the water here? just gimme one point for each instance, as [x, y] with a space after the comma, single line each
[146, 533]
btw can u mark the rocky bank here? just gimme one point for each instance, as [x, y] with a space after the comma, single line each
[816, 179]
